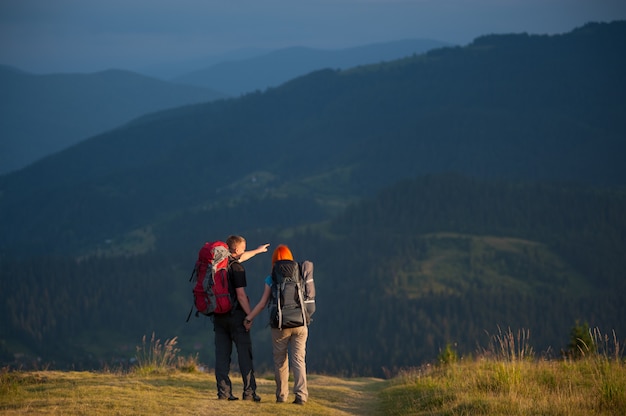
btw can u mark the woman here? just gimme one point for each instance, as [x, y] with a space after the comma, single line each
[283, 339]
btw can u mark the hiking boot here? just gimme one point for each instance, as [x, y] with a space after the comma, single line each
[230, 398]
[253, 396]
[299, 401]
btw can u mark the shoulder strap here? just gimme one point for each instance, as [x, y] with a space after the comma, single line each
[233, 292]
[229, 268]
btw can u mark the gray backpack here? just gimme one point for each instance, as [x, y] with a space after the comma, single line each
[292, 300]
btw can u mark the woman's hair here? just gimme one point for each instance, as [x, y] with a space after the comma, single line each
[281, 252]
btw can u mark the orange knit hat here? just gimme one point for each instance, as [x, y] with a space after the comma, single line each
[281, 252]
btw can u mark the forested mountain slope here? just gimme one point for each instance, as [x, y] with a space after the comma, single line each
[519, 107]
[428, 261]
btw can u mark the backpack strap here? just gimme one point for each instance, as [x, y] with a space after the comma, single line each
[305, 315]
[280, 313]
[233, 298]
[193, 273]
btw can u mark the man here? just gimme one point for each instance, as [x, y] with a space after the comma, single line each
[229, 327]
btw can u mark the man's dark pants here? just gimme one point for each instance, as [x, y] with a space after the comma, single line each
[229, 329]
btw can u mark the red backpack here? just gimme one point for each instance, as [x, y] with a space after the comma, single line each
[211, 291]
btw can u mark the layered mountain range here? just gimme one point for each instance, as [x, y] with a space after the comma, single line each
[440, 196]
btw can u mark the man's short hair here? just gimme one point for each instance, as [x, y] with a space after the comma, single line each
[233, 241]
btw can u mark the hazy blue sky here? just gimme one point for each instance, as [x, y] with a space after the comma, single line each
[89, 35]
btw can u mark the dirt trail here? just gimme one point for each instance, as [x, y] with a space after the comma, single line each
[356, 396]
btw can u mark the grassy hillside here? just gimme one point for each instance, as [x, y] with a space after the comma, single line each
[455, 263]
[504, 379]
[510, 388]
[73, 393]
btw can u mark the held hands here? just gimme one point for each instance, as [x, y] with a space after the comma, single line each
[247, 323]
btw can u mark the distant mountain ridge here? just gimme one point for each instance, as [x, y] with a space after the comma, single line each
[42, 114]
[237, 77]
